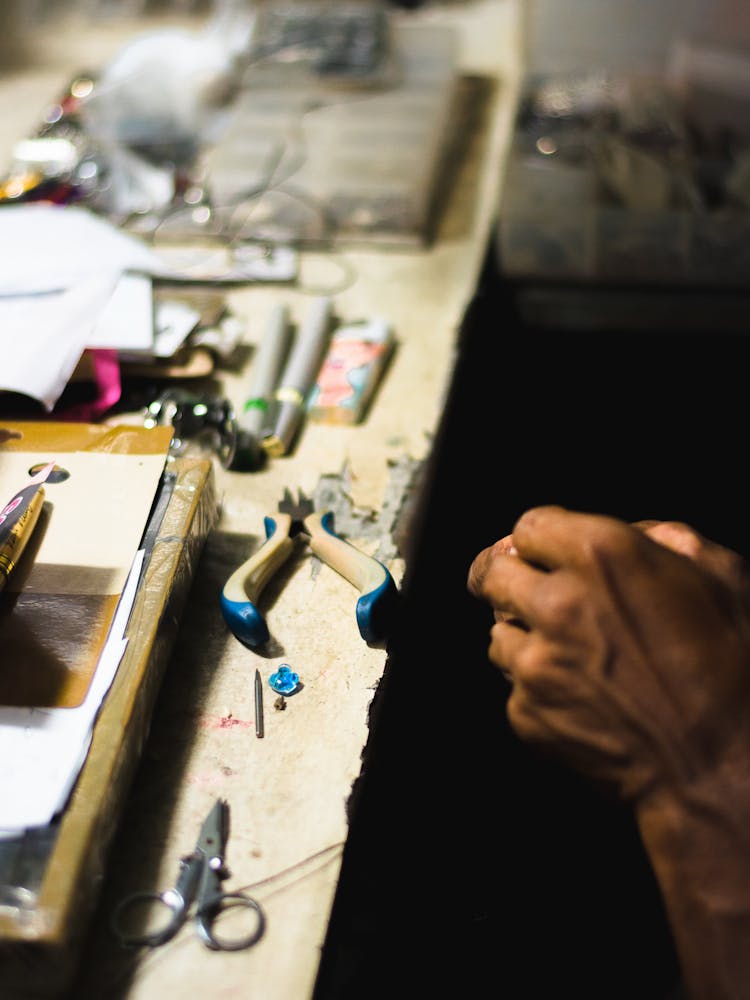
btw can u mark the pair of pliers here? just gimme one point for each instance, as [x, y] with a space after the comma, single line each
[376, 606]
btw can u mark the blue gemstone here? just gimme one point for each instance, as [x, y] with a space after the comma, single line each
[284, 681]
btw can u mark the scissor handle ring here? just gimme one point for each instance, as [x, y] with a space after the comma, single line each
[170, 899]
[206, 918]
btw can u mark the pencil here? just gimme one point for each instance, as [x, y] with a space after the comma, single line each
[258, 706]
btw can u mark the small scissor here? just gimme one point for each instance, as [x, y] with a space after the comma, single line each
[200, 878]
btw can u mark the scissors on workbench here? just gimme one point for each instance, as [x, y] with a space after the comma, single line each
[376, 606]
[200, 879]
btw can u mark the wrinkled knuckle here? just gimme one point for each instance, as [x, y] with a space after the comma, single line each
[685, 539]
[482, 566]
[526, 519]
[531, 670]
[478, 572]
[533, 517]
[611, 543]
[521, 719]
[559, 607]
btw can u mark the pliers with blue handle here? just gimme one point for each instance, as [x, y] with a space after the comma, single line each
[376, 607]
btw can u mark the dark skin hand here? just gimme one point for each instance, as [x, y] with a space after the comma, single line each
[628, 651]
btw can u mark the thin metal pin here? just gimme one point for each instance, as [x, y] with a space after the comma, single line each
[258, 705]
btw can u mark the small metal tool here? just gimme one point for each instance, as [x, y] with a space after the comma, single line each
[203, 425]
[200, 879]
[258, 705]
[376, 606]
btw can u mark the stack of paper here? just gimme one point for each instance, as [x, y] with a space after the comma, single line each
[70, 281]
[65, 607]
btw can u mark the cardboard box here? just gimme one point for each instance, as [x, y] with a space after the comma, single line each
[51, 875]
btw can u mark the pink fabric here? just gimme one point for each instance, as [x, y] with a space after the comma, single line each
[109, 388]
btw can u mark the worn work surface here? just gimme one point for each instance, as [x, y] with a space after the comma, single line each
[288, 792]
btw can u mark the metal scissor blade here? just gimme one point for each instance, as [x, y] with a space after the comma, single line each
[215, 830]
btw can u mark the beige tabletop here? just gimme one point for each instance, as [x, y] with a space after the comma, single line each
[288, 791]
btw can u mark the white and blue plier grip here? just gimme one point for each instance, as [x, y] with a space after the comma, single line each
[376, 606]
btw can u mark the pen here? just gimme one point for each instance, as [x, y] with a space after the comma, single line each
[264, 378]
[299, 377]
[18, 519]
[258, 705]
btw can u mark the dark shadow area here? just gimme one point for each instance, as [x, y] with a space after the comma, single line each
[471, 861]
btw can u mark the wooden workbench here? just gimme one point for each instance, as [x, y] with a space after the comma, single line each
[288, 791]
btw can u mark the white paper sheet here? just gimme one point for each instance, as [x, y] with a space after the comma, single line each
[43, 334]
[126, 323]
[61, 265]
[44, 749]
[48, 247]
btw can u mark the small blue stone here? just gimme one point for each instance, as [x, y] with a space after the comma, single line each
[284, 681]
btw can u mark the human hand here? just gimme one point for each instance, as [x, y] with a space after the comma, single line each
[682, 538]
[628, 646]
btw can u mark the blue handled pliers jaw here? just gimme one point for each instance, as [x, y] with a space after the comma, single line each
[379, 596]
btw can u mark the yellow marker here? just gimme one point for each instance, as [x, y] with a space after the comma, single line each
[18, 519]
